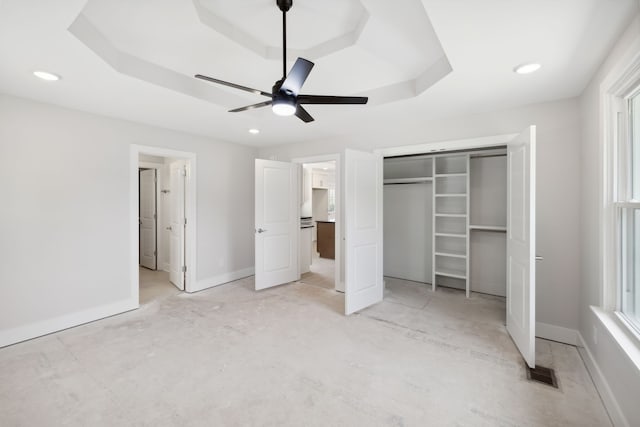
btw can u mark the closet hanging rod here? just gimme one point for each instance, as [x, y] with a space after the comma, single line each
[408, 183]
[476, 156]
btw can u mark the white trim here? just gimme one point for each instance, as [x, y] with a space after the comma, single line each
[190, 212]
[600, 381]
[556, 333]
[450, 145]
[38, 329]
[337, 280]
[149, 165]
[221, 279]
[621, 333]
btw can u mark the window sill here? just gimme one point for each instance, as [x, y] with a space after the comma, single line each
[623, 335]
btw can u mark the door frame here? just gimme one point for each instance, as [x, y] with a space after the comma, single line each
[190, 213]
[451, 145]
[339, 284]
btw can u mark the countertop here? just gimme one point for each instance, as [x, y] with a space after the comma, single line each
[331, 221]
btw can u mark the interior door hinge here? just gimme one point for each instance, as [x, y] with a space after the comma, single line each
[184, 171]
[185, 221]
[184, 268]
[155, 253]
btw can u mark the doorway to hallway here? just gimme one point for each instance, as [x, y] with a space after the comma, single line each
[165, 222]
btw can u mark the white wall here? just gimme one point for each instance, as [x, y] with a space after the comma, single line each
[622, 376]
[64, 216]
[558, 185]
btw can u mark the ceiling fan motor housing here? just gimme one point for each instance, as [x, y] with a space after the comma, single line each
[284, 5]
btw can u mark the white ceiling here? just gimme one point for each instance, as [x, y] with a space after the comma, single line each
[428, 59]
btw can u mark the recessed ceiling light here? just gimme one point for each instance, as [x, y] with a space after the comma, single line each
[254, 131]
[527, 68]
[50, 77]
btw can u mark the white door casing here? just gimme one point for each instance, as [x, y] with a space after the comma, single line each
[177, 175]
[521, 242]
[364, 284]
[147, 218]
[276, 223]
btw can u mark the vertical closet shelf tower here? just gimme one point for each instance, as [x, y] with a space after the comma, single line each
[451, 222]
[464, 203]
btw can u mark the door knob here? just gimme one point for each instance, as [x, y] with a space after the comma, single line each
[260, 230]
[539, 258]
[169, 228]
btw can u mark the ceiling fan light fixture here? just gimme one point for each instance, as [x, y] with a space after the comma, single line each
[284, 106]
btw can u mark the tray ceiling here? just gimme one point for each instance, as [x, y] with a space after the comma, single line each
[426, 60]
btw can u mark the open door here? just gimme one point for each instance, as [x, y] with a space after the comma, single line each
[521, 243]
[177, 223]
[147, 220]
[276, 223]
[364, 284]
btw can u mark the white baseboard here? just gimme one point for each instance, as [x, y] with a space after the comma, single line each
[221, 279]
[610, 402]
[38, 329]
[556, 333]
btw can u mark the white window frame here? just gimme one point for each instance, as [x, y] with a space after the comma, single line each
[614, 94]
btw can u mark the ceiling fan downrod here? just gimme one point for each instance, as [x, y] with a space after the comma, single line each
[284, 6]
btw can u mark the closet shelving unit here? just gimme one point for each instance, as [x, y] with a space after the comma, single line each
[451, 220]
[462, 199]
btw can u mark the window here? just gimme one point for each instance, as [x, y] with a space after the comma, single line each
[627, 204]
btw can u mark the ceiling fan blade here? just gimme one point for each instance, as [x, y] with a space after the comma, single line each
[296, 77]
[251, 107]
[321, 99]
[233, 85]
[303, 114]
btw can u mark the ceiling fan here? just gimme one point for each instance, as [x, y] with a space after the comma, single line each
[286, 99]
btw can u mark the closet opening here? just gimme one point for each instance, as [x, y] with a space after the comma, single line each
[445, 220]
[459, 233]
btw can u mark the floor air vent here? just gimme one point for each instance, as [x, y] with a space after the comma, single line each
[542, 375]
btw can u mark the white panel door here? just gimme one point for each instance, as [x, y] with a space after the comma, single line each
[364, 285]
[276, 223]
[177, 174]
[521, 243]
[147, 220]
